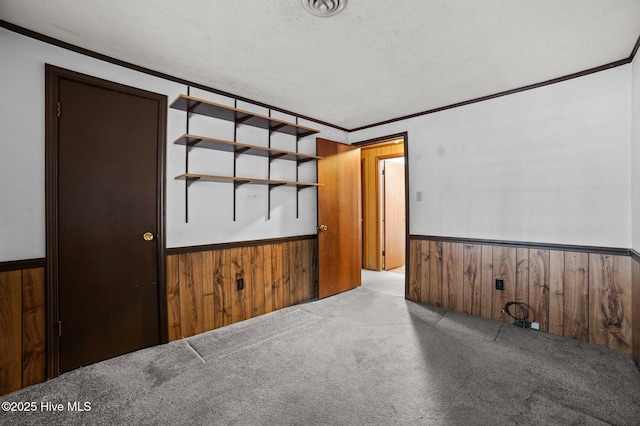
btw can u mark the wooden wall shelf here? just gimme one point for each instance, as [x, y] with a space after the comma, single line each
[193, 105]
[192, 177]
[242, 148]
[212, 109]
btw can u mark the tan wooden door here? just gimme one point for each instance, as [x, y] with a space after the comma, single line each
[394, 215]
[339, 210]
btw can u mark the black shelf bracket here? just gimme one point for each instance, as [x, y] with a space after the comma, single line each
[276, 127]
[241, 150]
[297, 175]
[240, 120]
[235, 158]
[187, 148]
[304, 160]
[193, 143]
[276, 156]
[193, 107]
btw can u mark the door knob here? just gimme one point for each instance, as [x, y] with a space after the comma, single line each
[322, 228]
[148, 236]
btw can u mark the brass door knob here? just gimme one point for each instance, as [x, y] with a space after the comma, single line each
[148, 236]
[322, 228]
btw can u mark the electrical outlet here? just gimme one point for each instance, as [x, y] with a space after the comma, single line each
[499, 284]
[240, 284]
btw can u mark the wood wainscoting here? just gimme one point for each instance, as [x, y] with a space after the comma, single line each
[22, 325]
[582, 293]
[202, 290]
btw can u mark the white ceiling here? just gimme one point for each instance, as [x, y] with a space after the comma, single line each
[376, 60]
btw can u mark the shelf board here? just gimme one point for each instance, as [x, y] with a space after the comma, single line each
[223, 112]
[241, 148]
[242, 180]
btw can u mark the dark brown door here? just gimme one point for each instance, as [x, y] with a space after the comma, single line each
[107, 199]
[394, 217]
[339, 210]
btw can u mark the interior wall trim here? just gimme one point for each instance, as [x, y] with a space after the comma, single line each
[605, 67]
[15, 265]
[500, 94]
[634, 255]
[615, 251]
[237, 244]
[59, 43]
[50, 40]
[380, 140]
[635, 50]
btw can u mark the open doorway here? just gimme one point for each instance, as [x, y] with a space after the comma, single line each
[384, 216]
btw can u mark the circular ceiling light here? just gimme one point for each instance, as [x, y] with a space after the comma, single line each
[324, 7]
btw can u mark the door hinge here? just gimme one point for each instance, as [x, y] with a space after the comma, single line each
[383, 252]
[58, 110]
[59, 328]
[59, 116]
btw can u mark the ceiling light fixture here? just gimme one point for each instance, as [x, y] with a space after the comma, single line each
[324, 8]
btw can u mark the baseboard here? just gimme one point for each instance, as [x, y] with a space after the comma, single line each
[616, 251]
[16, 265]
[237, 244]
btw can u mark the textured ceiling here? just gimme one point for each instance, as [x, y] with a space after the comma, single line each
[375, 61]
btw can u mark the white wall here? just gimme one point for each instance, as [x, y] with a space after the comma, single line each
[635, 152]
[22, 186]
[547, 165]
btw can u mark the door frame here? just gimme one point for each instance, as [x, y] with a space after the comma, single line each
[382, 140]
[53, 75]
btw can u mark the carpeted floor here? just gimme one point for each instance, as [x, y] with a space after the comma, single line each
[364, 357]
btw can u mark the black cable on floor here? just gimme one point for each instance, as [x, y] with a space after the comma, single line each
[521, 321]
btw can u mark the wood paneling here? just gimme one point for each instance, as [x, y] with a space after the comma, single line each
[221, 290]
[610, 301]
[372, 227]
[504, 267]
[258, 275]
[635, 322]
[593, 297]
[22, 328]
[277, 276]
[576, 296]
[191, 294]
[173, 298]
[207, 290]
[487, 282]
[556, 292]
[472, 280]
[538, 278]
[453, 286]
[435, 273]
[33, 327]
[202, 286]
[413, 291]
[522, 275]
[10, 331]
